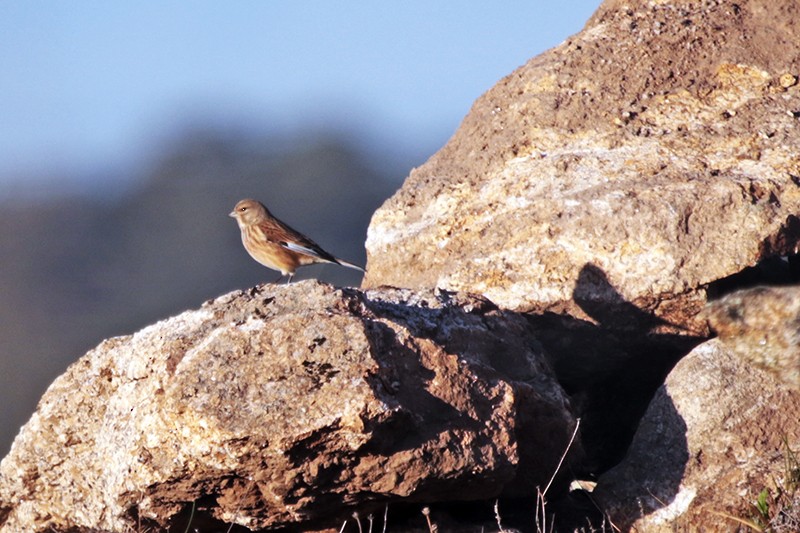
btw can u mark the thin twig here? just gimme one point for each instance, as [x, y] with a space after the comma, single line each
[191, 517]
[431, 526]
[540, 494]
[563, 456]
[497, 515]
[540, 507]
[358, 521]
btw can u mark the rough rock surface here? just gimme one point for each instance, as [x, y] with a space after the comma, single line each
[762, 326]
[290, 405]
[715, 435]
[659, 145]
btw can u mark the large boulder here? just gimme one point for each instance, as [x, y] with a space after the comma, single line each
[290, 405]
[659, 146]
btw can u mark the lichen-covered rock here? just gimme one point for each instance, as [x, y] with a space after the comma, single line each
[660, 145]
[290, 405]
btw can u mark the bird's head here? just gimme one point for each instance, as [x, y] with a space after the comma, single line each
[249, 212]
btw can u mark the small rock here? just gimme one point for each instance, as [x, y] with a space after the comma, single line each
[787, 80]
[762, 326]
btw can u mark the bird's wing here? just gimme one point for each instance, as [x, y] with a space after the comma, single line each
[291, 239]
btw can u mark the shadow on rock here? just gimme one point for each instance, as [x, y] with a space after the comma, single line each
[611, 368]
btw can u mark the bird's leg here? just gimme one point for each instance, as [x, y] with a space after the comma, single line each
[278, 279]
[291, 275]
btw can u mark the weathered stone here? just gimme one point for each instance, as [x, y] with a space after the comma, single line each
[659, 145]
[290, 405]
[762, 326]
[716, 434]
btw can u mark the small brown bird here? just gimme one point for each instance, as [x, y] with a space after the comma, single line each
[274, 244]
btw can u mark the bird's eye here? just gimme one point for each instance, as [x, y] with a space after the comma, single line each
[242, 209]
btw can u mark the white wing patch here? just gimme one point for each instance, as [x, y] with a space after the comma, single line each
[300, 249]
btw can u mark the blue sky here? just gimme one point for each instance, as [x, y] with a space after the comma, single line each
[88, 85]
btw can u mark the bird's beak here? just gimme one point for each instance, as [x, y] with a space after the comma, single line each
[232, 214]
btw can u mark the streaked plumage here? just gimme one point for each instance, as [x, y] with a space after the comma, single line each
[274, 244]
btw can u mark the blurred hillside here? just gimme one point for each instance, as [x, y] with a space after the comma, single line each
[75, 270]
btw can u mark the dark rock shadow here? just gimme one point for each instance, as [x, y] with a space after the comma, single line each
[404, 379]
[611, 367]
[772, 271]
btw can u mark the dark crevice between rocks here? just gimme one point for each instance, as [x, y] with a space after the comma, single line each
[774, 271]
[405, 516]
[611, 367]
[779, 264]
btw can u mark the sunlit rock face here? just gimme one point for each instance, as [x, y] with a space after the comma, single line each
[659, 146]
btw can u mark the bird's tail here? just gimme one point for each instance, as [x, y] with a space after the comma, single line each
[349, 265]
